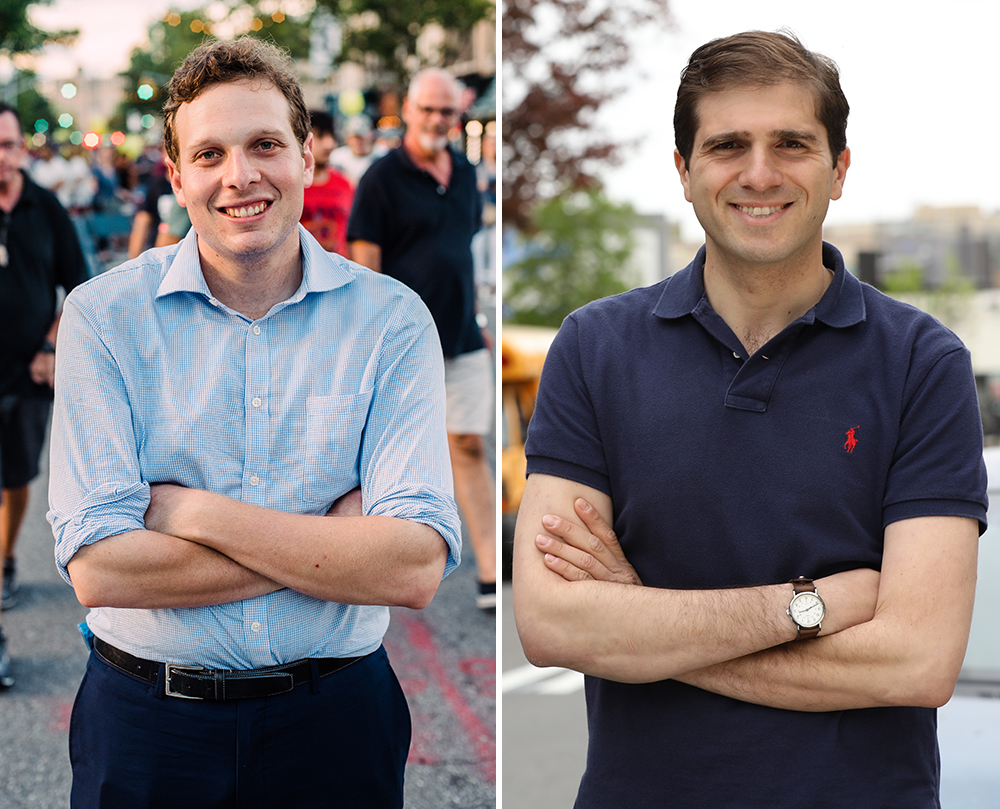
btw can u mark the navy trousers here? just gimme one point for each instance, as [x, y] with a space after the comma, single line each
[338, 742]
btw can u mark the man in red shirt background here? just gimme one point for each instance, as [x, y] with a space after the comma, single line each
[328, 200]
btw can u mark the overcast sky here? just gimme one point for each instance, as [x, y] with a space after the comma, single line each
[922, 86]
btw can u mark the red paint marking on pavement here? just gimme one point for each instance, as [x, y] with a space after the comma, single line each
[422, 743]
[484, 669]
[422, 748]
[60, 716]
[413, 685]
[483, 740]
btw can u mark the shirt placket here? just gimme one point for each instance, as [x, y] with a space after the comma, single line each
[255, 466]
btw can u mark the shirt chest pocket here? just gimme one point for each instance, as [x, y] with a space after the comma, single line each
[334, 429]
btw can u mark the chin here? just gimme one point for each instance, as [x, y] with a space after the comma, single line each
[434, 143]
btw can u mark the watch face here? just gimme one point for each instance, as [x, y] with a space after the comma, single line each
[807, 610]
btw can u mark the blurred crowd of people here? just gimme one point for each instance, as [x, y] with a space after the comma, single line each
[101, 188]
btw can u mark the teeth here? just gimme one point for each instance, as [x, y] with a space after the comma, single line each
[253, 210]
[760, 211]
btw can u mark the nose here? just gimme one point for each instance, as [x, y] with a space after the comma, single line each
[761, 170]
[240, 170]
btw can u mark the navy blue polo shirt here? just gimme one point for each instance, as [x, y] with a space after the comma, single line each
[425, 231]
[729, 471]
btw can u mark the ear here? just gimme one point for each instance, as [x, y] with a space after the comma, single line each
[174, 174]
[685, 175]
[839, 173]
[310, 160]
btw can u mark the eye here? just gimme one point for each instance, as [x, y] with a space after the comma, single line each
[208, 154]
[267, 145]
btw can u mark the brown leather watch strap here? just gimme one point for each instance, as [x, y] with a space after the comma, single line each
[804, 585]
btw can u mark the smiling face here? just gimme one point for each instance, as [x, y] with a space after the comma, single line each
[761, 176]
[240, 173]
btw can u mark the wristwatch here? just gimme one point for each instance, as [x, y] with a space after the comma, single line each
[806, 609]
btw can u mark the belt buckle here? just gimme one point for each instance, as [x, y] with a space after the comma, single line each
[171, 668]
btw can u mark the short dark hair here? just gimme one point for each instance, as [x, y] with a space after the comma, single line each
[321, 121]
[759, 58]
[221, 62]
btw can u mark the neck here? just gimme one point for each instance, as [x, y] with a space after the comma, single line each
[757, 301]
[437, 164]
[252, 286]
[321, 174]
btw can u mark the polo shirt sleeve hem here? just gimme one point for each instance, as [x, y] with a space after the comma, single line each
[569, 471]
[935, 508]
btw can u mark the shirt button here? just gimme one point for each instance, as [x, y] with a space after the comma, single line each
[254, 480]
[735, 354]
[255, 402]
[255, 626]
[256, 329]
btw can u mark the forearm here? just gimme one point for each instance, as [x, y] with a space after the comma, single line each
[616, 628]
[150, 570]
[645, 634]
[910, 653]
[351, 560]
[854, 669]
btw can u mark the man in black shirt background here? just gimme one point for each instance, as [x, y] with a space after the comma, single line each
[414, 215]
[39, 252]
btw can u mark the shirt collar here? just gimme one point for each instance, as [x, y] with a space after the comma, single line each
[321, 271]
[842, 304]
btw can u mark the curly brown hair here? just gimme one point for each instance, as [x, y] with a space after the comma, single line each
[223, 61]
[759, 58]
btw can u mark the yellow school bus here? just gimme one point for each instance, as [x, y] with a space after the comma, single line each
[522, 353]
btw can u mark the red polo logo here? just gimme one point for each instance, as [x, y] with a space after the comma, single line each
[851, 441]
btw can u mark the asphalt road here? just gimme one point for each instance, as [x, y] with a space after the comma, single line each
[445, 657]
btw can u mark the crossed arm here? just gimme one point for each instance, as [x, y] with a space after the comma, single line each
[895, 638]
[201, 548]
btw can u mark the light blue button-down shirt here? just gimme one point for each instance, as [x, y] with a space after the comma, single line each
[339, 386]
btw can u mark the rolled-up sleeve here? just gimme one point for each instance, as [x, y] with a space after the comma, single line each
[405, 467]
[95, 488]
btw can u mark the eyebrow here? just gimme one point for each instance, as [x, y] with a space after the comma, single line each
[803, 135]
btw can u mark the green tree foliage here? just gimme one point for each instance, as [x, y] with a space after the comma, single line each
[561, 59]
[32, 105]
[388, 29]
[579, 252]
[19, 35]
[179, 32]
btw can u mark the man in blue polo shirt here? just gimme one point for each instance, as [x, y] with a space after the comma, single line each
[791, 464]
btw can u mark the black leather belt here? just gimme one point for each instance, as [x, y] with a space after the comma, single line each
[196, 682]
